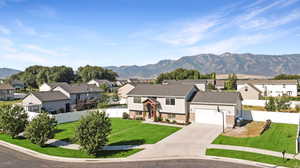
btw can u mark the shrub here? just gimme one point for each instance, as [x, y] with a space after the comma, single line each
[167, 120]
[270, 104]
[40, 129]
[92, 132]
[125, 115]
[297, 108]
[139, 118]
[13, 120]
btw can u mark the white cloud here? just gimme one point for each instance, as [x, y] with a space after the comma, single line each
[25, 57]
[187, 33]
[232, 44]
[26, 29]
[6, 45]
[38, 49]
[4, 30]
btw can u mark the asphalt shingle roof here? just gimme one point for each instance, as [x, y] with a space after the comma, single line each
[216, 97]
[81, 88]
[268, 82]
[161, 90]
[50, 96]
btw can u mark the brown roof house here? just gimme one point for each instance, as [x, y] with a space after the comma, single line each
[6, 92]
[184, 103]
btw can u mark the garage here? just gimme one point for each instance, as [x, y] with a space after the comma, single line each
[208, 116]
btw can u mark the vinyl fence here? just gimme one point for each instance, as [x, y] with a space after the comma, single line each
[277, 117]
[75, 116]
[262, 103]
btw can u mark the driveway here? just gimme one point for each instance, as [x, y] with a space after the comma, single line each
[190, 141]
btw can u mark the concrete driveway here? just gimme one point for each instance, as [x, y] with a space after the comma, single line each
[189, 141]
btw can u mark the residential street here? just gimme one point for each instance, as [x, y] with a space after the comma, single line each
[13, 159]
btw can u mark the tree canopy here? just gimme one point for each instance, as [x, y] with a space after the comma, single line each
[287, 76]
[182, 74]
[36, 75]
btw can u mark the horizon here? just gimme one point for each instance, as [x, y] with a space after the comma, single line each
[126, 33]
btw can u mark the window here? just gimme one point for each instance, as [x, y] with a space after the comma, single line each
[137, 100]
[283, 86]
[171, 116]
[289, 93]
[170, 101]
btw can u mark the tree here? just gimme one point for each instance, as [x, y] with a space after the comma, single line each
[104, 100]
[230, 84]
[211, 86]
[92, 132]
[182, 74]
[105, 87]
[40, 129]
[88, 73]
[270, 104]
[13, 120]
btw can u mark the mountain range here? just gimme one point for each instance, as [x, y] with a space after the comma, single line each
[6, 72]
[254, 64]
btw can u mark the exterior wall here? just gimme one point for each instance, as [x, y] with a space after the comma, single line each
[93, 82]
[30, 99]
[249, 93]
[44, 87]
[55, 105]
[277, 117]
[7, 94]
[181, 118]
[179, 107]
[201, 86]
[275, 90]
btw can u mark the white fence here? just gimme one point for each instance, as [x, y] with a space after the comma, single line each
[262, 103]
[75, 116]
[277, 117]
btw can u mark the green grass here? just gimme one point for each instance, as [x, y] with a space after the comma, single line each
[9, 102]
[278, 137]
[124, 132]
[56, 151]
[253, 157]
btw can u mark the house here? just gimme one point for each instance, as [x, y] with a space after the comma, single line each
[79, 93]
[201, 84]
[212, 107]
[139, 81]
[50, 101]
[99, 82]
[184, 103]
[120, 83]
[6, 92]
[123, 92]
[267, 88]
[220, 84]
[17, 84]
[51, 86]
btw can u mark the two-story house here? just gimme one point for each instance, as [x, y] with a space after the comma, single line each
[254, 89]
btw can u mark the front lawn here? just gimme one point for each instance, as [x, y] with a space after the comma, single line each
[124, 132]
[253, 157]
[56, 151]
[278, 137]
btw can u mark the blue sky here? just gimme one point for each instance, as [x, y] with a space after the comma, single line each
[128, 32]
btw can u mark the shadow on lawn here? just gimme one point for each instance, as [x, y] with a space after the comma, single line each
[130, 142]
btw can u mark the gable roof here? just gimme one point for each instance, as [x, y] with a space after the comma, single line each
[255, 88]
[188, 81]
[5, 86]
[55, 84]
[175, 90]
[217, 97]
[81, 88]
[50, 96]
[267, 82]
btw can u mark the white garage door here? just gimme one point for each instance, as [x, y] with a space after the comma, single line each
[208, 117]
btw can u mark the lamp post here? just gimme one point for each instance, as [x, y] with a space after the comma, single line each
[218, 108]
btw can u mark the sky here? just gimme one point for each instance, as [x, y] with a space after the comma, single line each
[139, 32]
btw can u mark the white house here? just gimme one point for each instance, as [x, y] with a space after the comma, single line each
[99, 82]
[50, 86]
[123, 91]
[269, 87]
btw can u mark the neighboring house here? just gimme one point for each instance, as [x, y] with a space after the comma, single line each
[17, 84]
[50, 101]
[123, 91]
[201, 84]
[99, 82]
[6, 92]
[139, 81]
[250, 92]
[51, 86]
[220, 84]
[184, 103]
[269, 87]
[210, 107]
[79, 93]
[120, 83]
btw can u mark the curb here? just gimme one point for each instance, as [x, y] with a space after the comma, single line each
[118, 160]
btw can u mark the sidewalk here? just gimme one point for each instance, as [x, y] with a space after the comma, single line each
[253, 150]
[67, 145]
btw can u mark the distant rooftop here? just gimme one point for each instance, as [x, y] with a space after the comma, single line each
[268, 82]
[50, 96]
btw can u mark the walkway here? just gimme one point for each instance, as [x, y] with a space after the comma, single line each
[253, 150]
[190, 141]
[165, 124]
[67, 145]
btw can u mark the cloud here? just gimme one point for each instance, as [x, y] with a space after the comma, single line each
[6, 45]
[38, 49]
[26, 29]
[4, 30]
[232, 44]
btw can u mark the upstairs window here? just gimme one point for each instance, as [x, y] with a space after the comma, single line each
[170, 101]
[137, 100]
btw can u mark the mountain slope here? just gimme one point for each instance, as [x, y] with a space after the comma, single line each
[6, 72]
[256, 64]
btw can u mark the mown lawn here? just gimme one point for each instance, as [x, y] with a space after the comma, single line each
[56, 151]
[253, 157]
[124, 132]
[278, 137]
